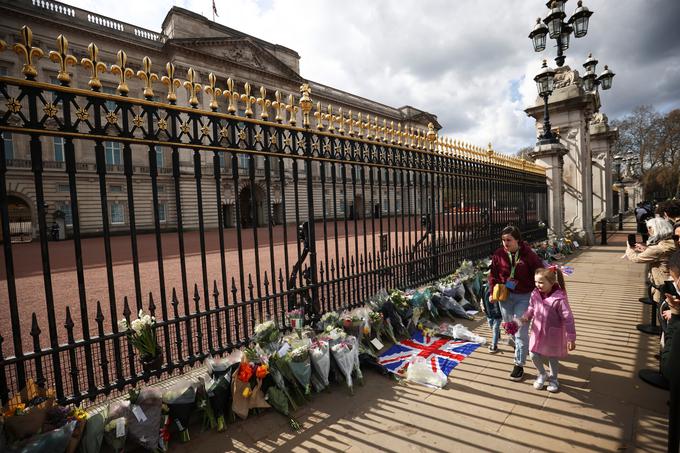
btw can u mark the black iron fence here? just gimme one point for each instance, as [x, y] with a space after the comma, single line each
[324, 214]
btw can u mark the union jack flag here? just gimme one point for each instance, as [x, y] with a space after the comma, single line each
[443, 354]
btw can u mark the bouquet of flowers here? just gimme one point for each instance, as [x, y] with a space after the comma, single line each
[142, 334]
[143, 417]
[54, 440]
[267, 336]
[510, 327]
[329, 320]
[400, 301]
[94, 432]
[181, 399]
[204, 406]
[299, 363]
[321, 359]
[296, 318]
[25, 412]
[344, 357]
[115, 434]
[279, 401]
[354, 342]
[285, 381]
[245, 396]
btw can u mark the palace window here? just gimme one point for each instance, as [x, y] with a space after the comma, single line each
[65, 207]
[58, 149]
[112, 150]
[161, 212]
[117, 213]
[9, 145]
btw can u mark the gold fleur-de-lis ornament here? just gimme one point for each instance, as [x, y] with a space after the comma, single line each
[63, 59]
[148, 77]
[232, 96]
[292, 110]
[213, 92]
[123, 72]
[94, 65]
[248, 100]
[192, 87]
[171, 82]
[264, 103]
[26, 50]
[279, 107]
[318, 115]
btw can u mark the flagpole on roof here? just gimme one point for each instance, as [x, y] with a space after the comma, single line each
[214, 10]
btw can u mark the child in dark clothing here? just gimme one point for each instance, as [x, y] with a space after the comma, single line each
[493, 317]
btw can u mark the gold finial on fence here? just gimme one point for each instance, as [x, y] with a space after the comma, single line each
[279, 107]
[231, 94]
[29, 52]
[3, 45]
[248, 100]
[123, 73]
[171, 82]
[264, 103]
[341, 121]
[94, 65]
[148, 77]
[367, 126]
[330, 118]
[305, 103]
[350, 123]
[213, 92]
[319, 117]
[292, 110]
[63, 59]
[392, 141]
[360, 125]
[399, 134]
[192, 87]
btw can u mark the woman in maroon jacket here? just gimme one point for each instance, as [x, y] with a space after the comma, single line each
[514, 265]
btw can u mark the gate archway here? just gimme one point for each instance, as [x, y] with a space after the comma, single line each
[252, 207]
[20, 219]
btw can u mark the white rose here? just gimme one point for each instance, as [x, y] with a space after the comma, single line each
[122, 325]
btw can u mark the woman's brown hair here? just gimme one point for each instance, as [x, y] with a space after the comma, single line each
[513, 231]
[552, 274]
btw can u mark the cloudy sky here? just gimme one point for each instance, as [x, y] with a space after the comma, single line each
[467, 61]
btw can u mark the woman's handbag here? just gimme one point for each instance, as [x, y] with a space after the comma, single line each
[500, 292]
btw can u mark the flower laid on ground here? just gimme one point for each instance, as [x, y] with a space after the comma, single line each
[115, 434]
[296, 318]
[399, 299]
[278, 400]
[329, 320]
[321, 359]
[298, 361]
[344, 356]
[262, 371]
[267, 335]
[180, 400]
[142, 334]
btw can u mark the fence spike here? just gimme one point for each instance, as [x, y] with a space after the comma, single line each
[152, 305]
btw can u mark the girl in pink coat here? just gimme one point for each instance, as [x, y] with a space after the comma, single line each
[552, 331]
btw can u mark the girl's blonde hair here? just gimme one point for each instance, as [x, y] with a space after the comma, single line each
[553, 274]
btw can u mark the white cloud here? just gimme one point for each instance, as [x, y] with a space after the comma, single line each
[454, 59]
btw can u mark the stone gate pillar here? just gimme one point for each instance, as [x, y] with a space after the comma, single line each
[571, 110]
[551, 157]
[602, 138]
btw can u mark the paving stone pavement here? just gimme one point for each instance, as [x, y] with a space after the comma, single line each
[602, 405]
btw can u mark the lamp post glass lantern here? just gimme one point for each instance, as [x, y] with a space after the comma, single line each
[544, 84]
[591, 81]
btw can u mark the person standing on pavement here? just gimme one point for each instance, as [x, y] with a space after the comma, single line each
[642, 213]
[512, 269]
[553, 332]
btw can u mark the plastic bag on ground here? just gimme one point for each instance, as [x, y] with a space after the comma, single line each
[460, 332]
[420, 371]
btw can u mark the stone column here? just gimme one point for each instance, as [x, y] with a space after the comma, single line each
[602, 138]
[571, 109]
[552, 158]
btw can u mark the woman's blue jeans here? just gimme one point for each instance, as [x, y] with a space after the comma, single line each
[514, 307]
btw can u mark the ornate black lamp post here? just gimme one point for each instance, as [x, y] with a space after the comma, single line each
[555, 27]
[544, 83]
